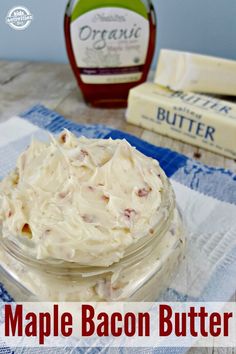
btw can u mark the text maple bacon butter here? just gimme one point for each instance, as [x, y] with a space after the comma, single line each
[197, 119]
[86, 203]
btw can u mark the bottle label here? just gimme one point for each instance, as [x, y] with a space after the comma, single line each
[110, 44]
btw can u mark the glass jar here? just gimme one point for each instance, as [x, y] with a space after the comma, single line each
[141, 275]
[110, 46]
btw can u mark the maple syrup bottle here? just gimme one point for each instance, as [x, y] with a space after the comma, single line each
[110, 45]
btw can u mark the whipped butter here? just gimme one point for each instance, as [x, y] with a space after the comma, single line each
[81, 200]
[87, 203]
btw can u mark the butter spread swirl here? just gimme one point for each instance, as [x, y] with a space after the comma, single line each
[81, 200]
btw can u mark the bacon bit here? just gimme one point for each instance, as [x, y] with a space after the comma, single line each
[15, 177]
[84, 152]
[159, 175]
[16, 180]
[9, 214]
[63, 138]
[143, 192]
[90, 188]
[129, 213]
[88, 218]
[115, 287]
[82, 155]
[62, 195]
[105, 198]
[27, 230]
[151, 231]
[47, 231]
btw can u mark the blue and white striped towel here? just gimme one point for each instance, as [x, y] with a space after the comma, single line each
[206, 195]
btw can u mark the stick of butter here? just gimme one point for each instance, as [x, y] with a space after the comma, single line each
[181, 71]
[193, 118]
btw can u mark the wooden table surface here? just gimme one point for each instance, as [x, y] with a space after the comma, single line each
[23, 84]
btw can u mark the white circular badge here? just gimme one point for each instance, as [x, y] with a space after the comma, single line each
[19, 18]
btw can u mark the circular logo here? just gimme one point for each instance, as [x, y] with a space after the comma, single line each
[19, 18]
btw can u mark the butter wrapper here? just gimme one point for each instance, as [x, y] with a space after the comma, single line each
[182, 71]
[197, 119]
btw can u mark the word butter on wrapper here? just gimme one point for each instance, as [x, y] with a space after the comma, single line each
[193, 118]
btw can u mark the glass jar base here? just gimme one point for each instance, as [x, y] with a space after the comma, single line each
[144, 280]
